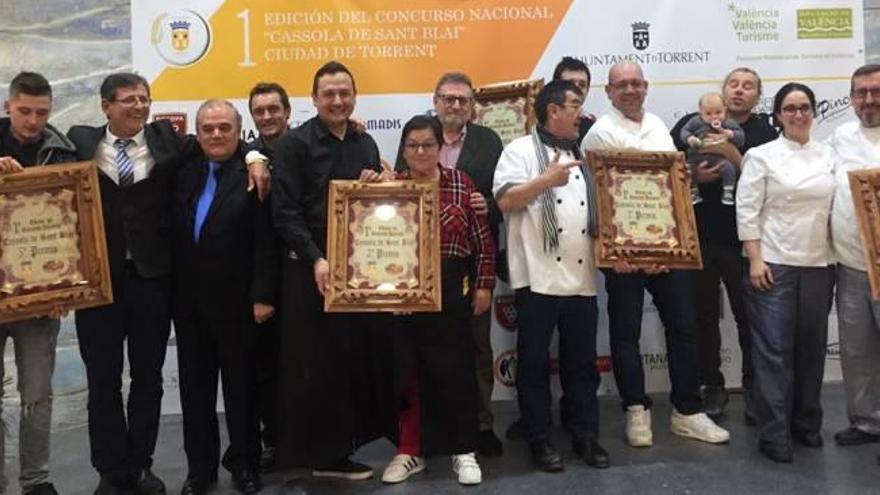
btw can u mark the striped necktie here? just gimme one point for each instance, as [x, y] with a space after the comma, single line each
[124, 166]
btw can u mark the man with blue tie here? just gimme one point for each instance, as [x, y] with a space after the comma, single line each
[224, 268]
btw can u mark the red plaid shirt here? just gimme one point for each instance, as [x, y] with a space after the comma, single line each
[463, 233]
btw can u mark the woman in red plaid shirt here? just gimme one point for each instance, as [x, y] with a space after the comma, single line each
[435, 351]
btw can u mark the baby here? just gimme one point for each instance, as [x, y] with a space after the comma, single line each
[712, 127]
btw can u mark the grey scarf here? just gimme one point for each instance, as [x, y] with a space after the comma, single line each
[549, 223]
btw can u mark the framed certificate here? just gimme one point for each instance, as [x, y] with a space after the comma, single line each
[644, 209]
[507, 109]
[52, 248]
[383, 247]
[865, 187]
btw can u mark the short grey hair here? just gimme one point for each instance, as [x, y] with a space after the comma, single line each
[218, 103]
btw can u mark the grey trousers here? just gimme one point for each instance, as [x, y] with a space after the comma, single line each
[858, 322]
[789, 326]
[34, 342]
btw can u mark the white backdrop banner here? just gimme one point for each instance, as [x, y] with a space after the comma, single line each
[397, 49]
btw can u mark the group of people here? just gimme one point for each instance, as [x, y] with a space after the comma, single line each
[200, 232]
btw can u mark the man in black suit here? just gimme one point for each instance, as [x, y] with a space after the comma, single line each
[136, 168]
[224, 285]
[473, 149]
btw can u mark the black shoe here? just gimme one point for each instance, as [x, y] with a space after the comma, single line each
[750, 419]
[515, 431]
[246, 480]
[854, 436]
[198, 485]
[545, 457]
[345, 469]
[775, 451]
[111, 485]
[41, 489]
[588, 449]
[714, 401]
[147, 483]
[807, 438]
[488, 445]
[267, 460]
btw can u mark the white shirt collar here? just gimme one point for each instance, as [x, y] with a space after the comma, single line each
[138, 138]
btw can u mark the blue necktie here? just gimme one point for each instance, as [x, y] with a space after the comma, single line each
[205, 199]
[123, 162]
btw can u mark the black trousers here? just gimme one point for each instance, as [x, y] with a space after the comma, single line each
[122, 437]
[208, 346]
[721, 264]
[268, 339]
[440, 347]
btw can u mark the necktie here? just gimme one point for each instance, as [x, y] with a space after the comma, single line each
[205, 199]
[123, 162]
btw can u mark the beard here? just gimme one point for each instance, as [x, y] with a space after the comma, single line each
[453, 120]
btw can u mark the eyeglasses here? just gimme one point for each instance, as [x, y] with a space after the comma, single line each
[133, 100]
[450, 100]
[793, 109]
[622, 85]
[862, 93]
[414, 147]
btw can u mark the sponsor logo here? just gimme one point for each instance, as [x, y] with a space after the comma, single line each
[832, 351]
[753, 24]
[655, 361]
[815, 24]
[177, 120]
[641, 37]
[181, 37]
[505, 368]
[831, 109]
[505, 312]
[383, 124]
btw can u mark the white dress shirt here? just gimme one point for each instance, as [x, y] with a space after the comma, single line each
[783, 199]
[568, 270]
[141, 158]
[613, 131]
[854, 147]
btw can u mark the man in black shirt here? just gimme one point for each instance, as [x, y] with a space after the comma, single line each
[27, 139]
[721, 248]
[328, 362]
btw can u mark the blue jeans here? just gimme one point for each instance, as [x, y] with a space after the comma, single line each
[672, 294]
[576, 318]
[789, 326]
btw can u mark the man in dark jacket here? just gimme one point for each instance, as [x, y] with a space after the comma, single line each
[27, 139]
[224, 268]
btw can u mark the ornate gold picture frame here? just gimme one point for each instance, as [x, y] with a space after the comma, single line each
[383, 247]
[507, 108]
[644, 209]
[865, 187]
[52, 248]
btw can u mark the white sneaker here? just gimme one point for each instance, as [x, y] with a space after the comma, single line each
[401, 467]
[467, 469]
[638, 426]
[697, 426]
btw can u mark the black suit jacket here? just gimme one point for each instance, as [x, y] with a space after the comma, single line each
[479, 157]
[137, 218]
[235, 262]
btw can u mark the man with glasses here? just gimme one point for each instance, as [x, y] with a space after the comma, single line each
[546, 191]
[28, 140]
[627, 126]
[137, 163]
[857, 146]
[473, 149]
[333, 366]
[720, 246]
